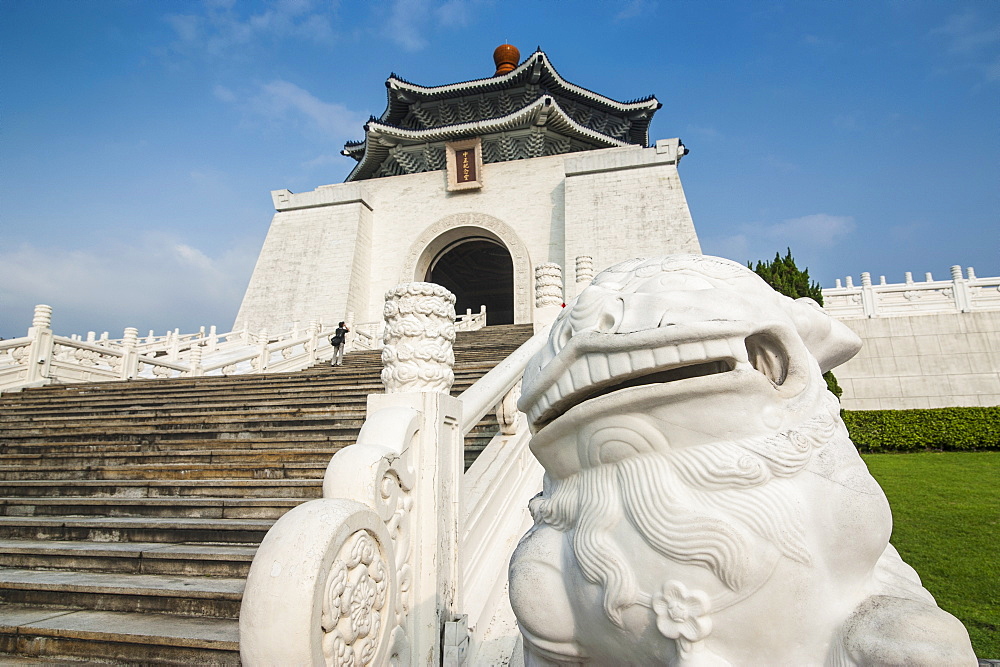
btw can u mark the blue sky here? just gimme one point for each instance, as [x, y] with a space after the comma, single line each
[140, 140]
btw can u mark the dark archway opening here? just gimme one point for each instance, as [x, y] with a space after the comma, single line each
[478, 271]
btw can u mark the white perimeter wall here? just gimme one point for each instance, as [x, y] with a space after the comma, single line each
[923, 361]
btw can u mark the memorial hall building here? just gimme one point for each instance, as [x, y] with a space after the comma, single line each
[478, 186]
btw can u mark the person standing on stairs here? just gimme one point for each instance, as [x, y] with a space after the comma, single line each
[337, 340]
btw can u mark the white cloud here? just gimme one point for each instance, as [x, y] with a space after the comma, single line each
[967, 32]
[970, 42]
[155, 282]
[406, 21]
[324, 160]
[409, 21]
[454, 13]
[635, 8]
[223, 94]
[704, 132]
[289, 105]
[282, 99]
[809, 237]
[224, 29]
[818, 231]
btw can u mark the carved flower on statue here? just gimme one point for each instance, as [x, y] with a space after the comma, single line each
[682, 614]
[363, 604]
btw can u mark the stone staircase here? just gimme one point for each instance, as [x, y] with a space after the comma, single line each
[130, 512]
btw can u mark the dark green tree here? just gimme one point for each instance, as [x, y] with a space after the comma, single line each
[784, 276]
[790, 280]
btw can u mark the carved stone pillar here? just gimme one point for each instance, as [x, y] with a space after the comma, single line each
[419, 332]
[548, 285]
[40, 350]
[584, 269]
[312, 331]
[350, 337]
[260, 363]
[195, 358]
[961, 290]
[130, 359]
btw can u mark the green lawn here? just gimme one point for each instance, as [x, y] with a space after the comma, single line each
[946, 524]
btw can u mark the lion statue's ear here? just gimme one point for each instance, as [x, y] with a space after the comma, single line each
[831, 342]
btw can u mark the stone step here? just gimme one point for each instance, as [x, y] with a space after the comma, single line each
[181, 507]
[128, 488]
[169, 471]
[86, 460]
[145, 433]
[218, 560]
[211, 597]
[135, 529]
[216, 423]
[221, 397]
[308, 380]
[118, 637]
[315, 442]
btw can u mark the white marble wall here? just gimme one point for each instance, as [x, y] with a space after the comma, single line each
[923, 361]
[340, 247]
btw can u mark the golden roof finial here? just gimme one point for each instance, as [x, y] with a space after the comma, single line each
[506, 58]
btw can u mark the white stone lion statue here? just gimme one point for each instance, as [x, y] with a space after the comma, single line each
[703, 503]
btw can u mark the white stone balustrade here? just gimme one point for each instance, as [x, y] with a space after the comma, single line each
[957, 295]
[400, 522]
[41, 357]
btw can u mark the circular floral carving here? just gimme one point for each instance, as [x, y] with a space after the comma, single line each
[354, 603]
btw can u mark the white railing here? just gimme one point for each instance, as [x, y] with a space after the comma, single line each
[958, 295]
[399, 521]
[41, 357]
[368, 336]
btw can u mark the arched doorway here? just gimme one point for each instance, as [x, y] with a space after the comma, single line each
[478, 270]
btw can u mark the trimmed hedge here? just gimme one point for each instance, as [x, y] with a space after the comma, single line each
[949, 429]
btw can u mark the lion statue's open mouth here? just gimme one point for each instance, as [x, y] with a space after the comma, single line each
[703, 503]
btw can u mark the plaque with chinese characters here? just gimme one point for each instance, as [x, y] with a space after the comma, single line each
[465, 164]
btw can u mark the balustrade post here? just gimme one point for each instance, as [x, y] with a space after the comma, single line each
[960, 290]
[263, 353]
[548, 293]
[213, 339]
[350, 337]
[174, 347]
[130, 356]
[40, 349]
[868, 303]
[195, 369]
[312, 331]
[418, 358]
[584, 272]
